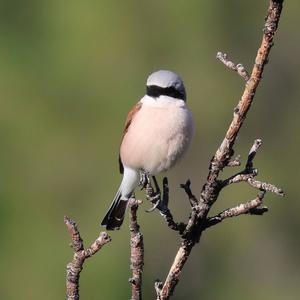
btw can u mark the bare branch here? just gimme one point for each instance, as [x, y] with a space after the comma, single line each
[175, 270]
[165, 211]
[224, 153]
[248, 174]
[257, 143]
[236, 162]
[77, 243]
[244, 208]
[75, 266]
[264, 186]
[239, 68]
[160, 202]
[158, 286]
[187, 188]
[137, 251]
[272, 19]
[177, 226]
[258, 211]
[239, 177]
[248, 178]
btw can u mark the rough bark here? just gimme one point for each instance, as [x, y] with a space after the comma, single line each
[136, 251]
[198, 221]
[80, 255]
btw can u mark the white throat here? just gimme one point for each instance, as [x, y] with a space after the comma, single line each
[162, 101]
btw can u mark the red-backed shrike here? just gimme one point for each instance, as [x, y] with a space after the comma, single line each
[157, 133]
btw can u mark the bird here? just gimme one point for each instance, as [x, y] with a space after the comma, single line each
[158, 131]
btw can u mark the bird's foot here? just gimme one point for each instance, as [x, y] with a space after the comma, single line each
[154, 196]
[155, 199]
[153, 207]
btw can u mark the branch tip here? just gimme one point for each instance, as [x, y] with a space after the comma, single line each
[76, 240]
[236, 162]
[252, 207]
[75, 266]
[258, 211]
[158, 285]
[187, 188]
[239, 68]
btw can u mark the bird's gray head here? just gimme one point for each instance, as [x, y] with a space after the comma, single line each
[165, 83]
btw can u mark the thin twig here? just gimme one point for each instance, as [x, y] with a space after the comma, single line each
[223, 155]
[256, 145]
[137, 251]
[264, 186]
[239, 177]
[248, 174]
[187, 188]
[161, 202]
[236, 162]
[177, 226]
[75, 266]
[244, 208]
[239, 68]
[158, 286]
[165, 211]
[257, 184]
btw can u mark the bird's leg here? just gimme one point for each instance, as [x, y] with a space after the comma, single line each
[144, 179]
[153, 195]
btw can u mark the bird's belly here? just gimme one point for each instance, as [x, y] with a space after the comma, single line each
[157, 138]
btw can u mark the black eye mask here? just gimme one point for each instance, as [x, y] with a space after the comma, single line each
[156, 91]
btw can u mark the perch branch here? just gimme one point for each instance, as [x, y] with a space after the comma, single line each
[75, 266]
[137, 251]
[223, 155]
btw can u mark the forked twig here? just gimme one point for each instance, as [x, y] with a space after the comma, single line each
[244, 208]
[248, 174]
[80, 255]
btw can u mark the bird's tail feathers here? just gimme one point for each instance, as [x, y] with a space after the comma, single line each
[115, 215]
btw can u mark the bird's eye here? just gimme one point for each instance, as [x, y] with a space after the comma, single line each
[156, 91]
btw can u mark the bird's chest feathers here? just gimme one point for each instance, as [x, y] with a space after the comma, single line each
[158, 135]
[161, 122]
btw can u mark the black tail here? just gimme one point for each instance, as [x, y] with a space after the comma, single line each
[115, 215]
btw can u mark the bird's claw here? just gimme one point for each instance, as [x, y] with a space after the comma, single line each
[153, 207]
[155, 199]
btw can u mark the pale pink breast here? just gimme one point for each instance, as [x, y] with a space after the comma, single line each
[157, 138]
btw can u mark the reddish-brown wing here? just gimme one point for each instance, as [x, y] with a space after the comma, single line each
[129, 119]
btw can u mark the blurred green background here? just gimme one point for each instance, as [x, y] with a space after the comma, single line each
[70, 71]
